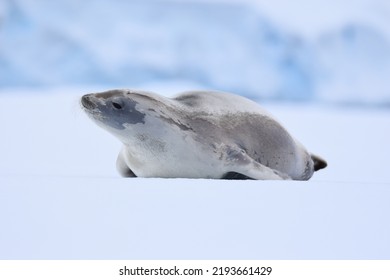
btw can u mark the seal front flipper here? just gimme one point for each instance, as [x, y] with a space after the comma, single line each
[257, 171]
[247, 168]
[122, 167]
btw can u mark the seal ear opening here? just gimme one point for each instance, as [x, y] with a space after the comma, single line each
[319, 163]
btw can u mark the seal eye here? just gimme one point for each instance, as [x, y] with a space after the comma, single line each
[117, 105]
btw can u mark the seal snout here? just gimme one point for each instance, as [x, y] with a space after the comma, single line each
[87, 102]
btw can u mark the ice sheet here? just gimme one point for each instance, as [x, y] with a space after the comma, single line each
[61, 198]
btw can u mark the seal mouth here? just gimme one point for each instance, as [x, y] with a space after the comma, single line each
[87, 102]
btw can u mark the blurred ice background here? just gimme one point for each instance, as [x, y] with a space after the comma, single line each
[336, 51]
[321, 67]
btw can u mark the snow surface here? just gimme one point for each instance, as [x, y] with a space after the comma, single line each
[61, 198]
[329, 51]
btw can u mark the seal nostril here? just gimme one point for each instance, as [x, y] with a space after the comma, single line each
[117, 105]
[87, 103]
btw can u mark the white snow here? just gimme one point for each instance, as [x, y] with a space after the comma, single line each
[61, 198]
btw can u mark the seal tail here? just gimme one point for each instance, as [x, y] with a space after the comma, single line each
[319, 163]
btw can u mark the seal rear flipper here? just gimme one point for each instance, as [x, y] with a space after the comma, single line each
[319, 163]
[122, 167]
